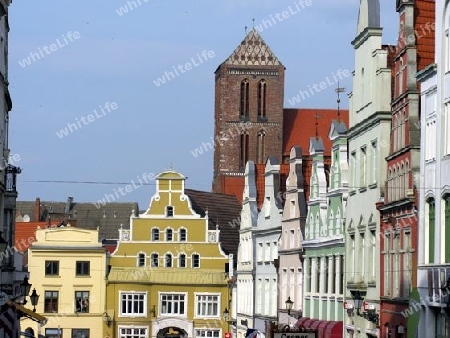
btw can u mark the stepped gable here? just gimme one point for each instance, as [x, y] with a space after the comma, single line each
[223, 210]
[253, 51]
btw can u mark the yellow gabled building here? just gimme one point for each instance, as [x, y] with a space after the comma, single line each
[67, 266]
[169, 273]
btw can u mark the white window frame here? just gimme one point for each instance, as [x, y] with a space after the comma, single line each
[207, 294]
[179, 234]
[138, 259]
[172, 232]
[207, 329]
[192, 260]
[133, 315]
[160, 308]
[151, 259]
[133, 327]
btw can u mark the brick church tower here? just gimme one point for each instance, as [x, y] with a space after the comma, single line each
[249, 96]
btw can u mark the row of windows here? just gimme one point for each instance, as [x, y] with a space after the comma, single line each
[134, 304]
[142, 332]
[397, 183]
[367, 160]
[81, 301]
[168, 260]
[82, 268]
[76, 333]
[362, 256]
[261, 96]
[397, 257]
[260, 148]
[266, 252]
[169, 235]
[326, 271]
[126, 332]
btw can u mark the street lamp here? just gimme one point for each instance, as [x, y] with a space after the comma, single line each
[25, 289]
[289, 304]
[226, 315]
[34, 299]
[357, 301]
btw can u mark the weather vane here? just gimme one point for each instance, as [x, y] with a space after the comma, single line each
[339, 90]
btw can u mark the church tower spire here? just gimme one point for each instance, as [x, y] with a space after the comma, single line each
[249, 96]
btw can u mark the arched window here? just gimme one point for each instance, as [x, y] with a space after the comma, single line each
[245, 98]
[261, 147]
[141, 259]
[155, 234]
[195, 261]
[169, 235]
[182, 236]
[154, 260]
[168, 260]
[262, 98]
[182, 261]
[244, 150]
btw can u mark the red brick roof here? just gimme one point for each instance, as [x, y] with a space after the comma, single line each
[25, 233]
[424, 18]
[299, 125]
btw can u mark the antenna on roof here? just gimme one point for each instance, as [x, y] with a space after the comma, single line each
[170, 166]
[339, 90]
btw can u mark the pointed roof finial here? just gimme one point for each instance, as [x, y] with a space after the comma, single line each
[245, 30]
[253, 20]
[339, 90]
[170, 166]
[317, 117]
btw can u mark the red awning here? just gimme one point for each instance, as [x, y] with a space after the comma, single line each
[334, 330]
[301, 321]
[314, 324]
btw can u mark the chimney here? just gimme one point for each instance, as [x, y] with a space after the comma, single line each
[68, 205]
[37, 210]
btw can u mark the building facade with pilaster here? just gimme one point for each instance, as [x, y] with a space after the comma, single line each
[368, 142]
[290, 253]
[324, 249]
[399, 210]
[267, 235]
[433, 276]
[245, 264]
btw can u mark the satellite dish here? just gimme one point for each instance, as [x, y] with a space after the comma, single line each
[26, 218]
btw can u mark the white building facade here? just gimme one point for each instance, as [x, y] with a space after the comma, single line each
[267, 235]
[244, 301]
[434, 214]
[290, 246]
[368, 138]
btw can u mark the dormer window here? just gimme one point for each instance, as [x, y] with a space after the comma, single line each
[169, 211]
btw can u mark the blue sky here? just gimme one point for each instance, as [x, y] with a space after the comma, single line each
[116, 59]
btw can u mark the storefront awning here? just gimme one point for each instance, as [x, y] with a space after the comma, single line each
[31, 314]
[301, 321]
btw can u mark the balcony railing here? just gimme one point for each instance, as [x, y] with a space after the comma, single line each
[11, 178]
